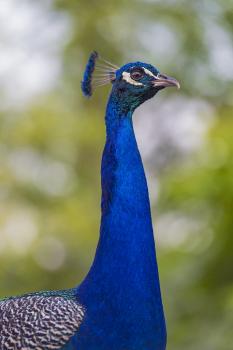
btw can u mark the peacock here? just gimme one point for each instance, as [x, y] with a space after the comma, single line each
[118, 306]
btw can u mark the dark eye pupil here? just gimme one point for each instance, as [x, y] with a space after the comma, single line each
[136, 74]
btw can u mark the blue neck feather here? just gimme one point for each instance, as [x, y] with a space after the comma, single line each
[121, 291]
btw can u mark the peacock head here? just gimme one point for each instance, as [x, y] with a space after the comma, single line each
[132, 84]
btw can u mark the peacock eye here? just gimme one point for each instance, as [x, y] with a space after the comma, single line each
[137, 74]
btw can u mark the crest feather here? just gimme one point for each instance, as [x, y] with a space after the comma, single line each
[98, 72]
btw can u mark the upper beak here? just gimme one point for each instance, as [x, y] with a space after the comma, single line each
[165, 81]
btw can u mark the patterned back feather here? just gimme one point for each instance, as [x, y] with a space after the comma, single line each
[38, 322]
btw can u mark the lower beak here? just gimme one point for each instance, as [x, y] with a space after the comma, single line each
[163, 80]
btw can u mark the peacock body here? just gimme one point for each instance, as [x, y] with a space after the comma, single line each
[118, 306]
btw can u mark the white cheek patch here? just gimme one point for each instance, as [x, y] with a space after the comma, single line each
[126, 76]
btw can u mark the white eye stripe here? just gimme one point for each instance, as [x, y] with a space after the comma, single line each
[126, 76]
[148, 72]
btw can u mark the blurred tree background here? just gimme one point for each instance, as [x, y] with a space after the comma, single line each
[51, 140]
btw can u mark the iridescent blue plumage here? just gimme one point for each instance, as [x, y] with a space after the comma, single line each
[118, 306]
[87, 76]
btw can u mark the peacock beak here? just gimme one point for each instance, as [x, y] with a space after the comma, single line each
[163, 80]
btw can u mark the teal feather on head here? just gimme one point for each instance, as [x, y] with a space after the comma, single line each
[105, 72]
[87, 77]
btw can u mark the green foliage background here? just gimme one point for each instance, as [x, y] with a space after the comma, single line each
[51, 148]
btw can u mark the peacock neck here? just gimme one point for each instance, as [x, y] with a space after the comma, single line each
[121, 291]
[125, 201]
[126, 247]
